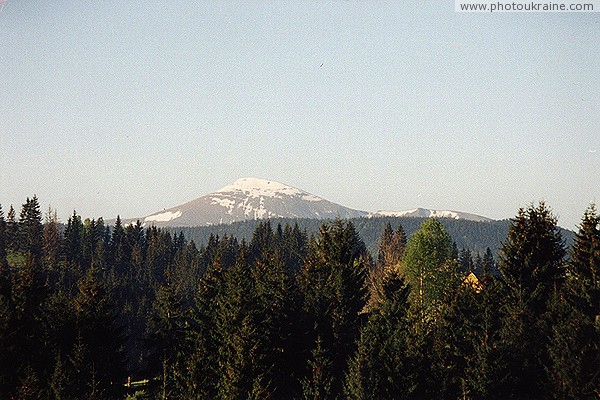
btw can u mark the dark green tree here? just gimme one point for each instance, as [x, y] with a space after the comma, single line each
[119, 254]
[318, 385]
[332, 284]
[166, 340]
[72, 246]
[532, 267]
[532, 257]
[12, 229]
[30, 229]
[51, 241]
[99, 347]
[3, 242]
[574, 347]
[241, 364]
[381, 367]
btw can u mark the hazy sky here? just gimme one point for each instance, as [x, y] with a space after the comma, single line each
[123, 107]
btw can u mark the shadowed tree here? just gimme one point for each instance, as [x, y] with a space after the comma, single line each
[532, 267]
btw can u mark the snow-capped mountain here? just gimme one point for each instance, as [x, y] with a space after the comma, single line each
[250, 198]
[426, 213]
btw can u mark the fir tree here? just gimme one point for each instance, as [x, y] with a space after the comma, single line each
[319, 383]
[101, 340]
[381, 367]
[51, 241]
[30, 229]
[3, 261]
[72, 247]
[391, 250]
[333, 288]
[574, 347]
[166, 335]
[119, 256]
[531, 263]
[12, 229]
[531, 260]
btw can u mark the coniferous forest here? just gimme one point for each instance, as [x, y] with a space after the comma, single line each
[91, 311]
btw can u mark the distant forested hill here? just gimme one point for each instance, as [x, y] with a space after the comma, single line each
[472, 235]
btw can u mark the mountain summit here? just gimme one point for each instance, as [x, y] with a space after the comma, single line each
[250, 198]
[253, 198]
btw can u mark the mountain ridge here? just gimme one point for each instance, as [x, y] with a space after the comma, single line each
[254, 198]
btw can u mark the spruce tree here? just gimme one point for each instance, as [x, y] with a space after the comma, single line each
[30, 229]
[51, 241]
[380, 367]
[72, 246]
[333, 289]
[119, 257]
[318, 385]
[201, 362]
[166, 339]
[391, 250]
[100, 339]
[584, 266]
[532, 267]
[574, 346]
[12, 229]
[242, 370]
[3, 242]
[531, 259]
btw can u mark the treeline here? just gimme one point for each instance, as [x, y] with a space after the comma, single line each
[473, 235]
[288, 315]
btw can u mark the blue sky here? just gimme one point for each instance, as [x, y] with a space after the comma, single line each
[131, 107]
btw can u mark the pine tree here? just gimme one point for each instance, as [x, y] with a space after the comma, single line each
[465, 261]
[201, 362]
[584, 268]
[489, 264]
[276, 300]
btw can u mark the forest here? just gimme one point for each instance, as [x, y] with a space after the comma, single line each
[473, 235]
[91, 311]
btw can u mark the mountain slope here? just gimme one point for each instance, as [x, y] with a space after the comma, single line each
[248, 199]
[427, 213]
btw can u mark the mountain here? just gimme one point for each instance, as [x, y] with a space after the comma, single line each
[249, 199]
[252, 198]
[426, 213]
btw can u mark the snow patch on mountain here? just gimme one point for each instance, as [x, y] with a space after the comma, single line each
[254, 187]
[427, 213]
[253, 198]
[163, 217]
